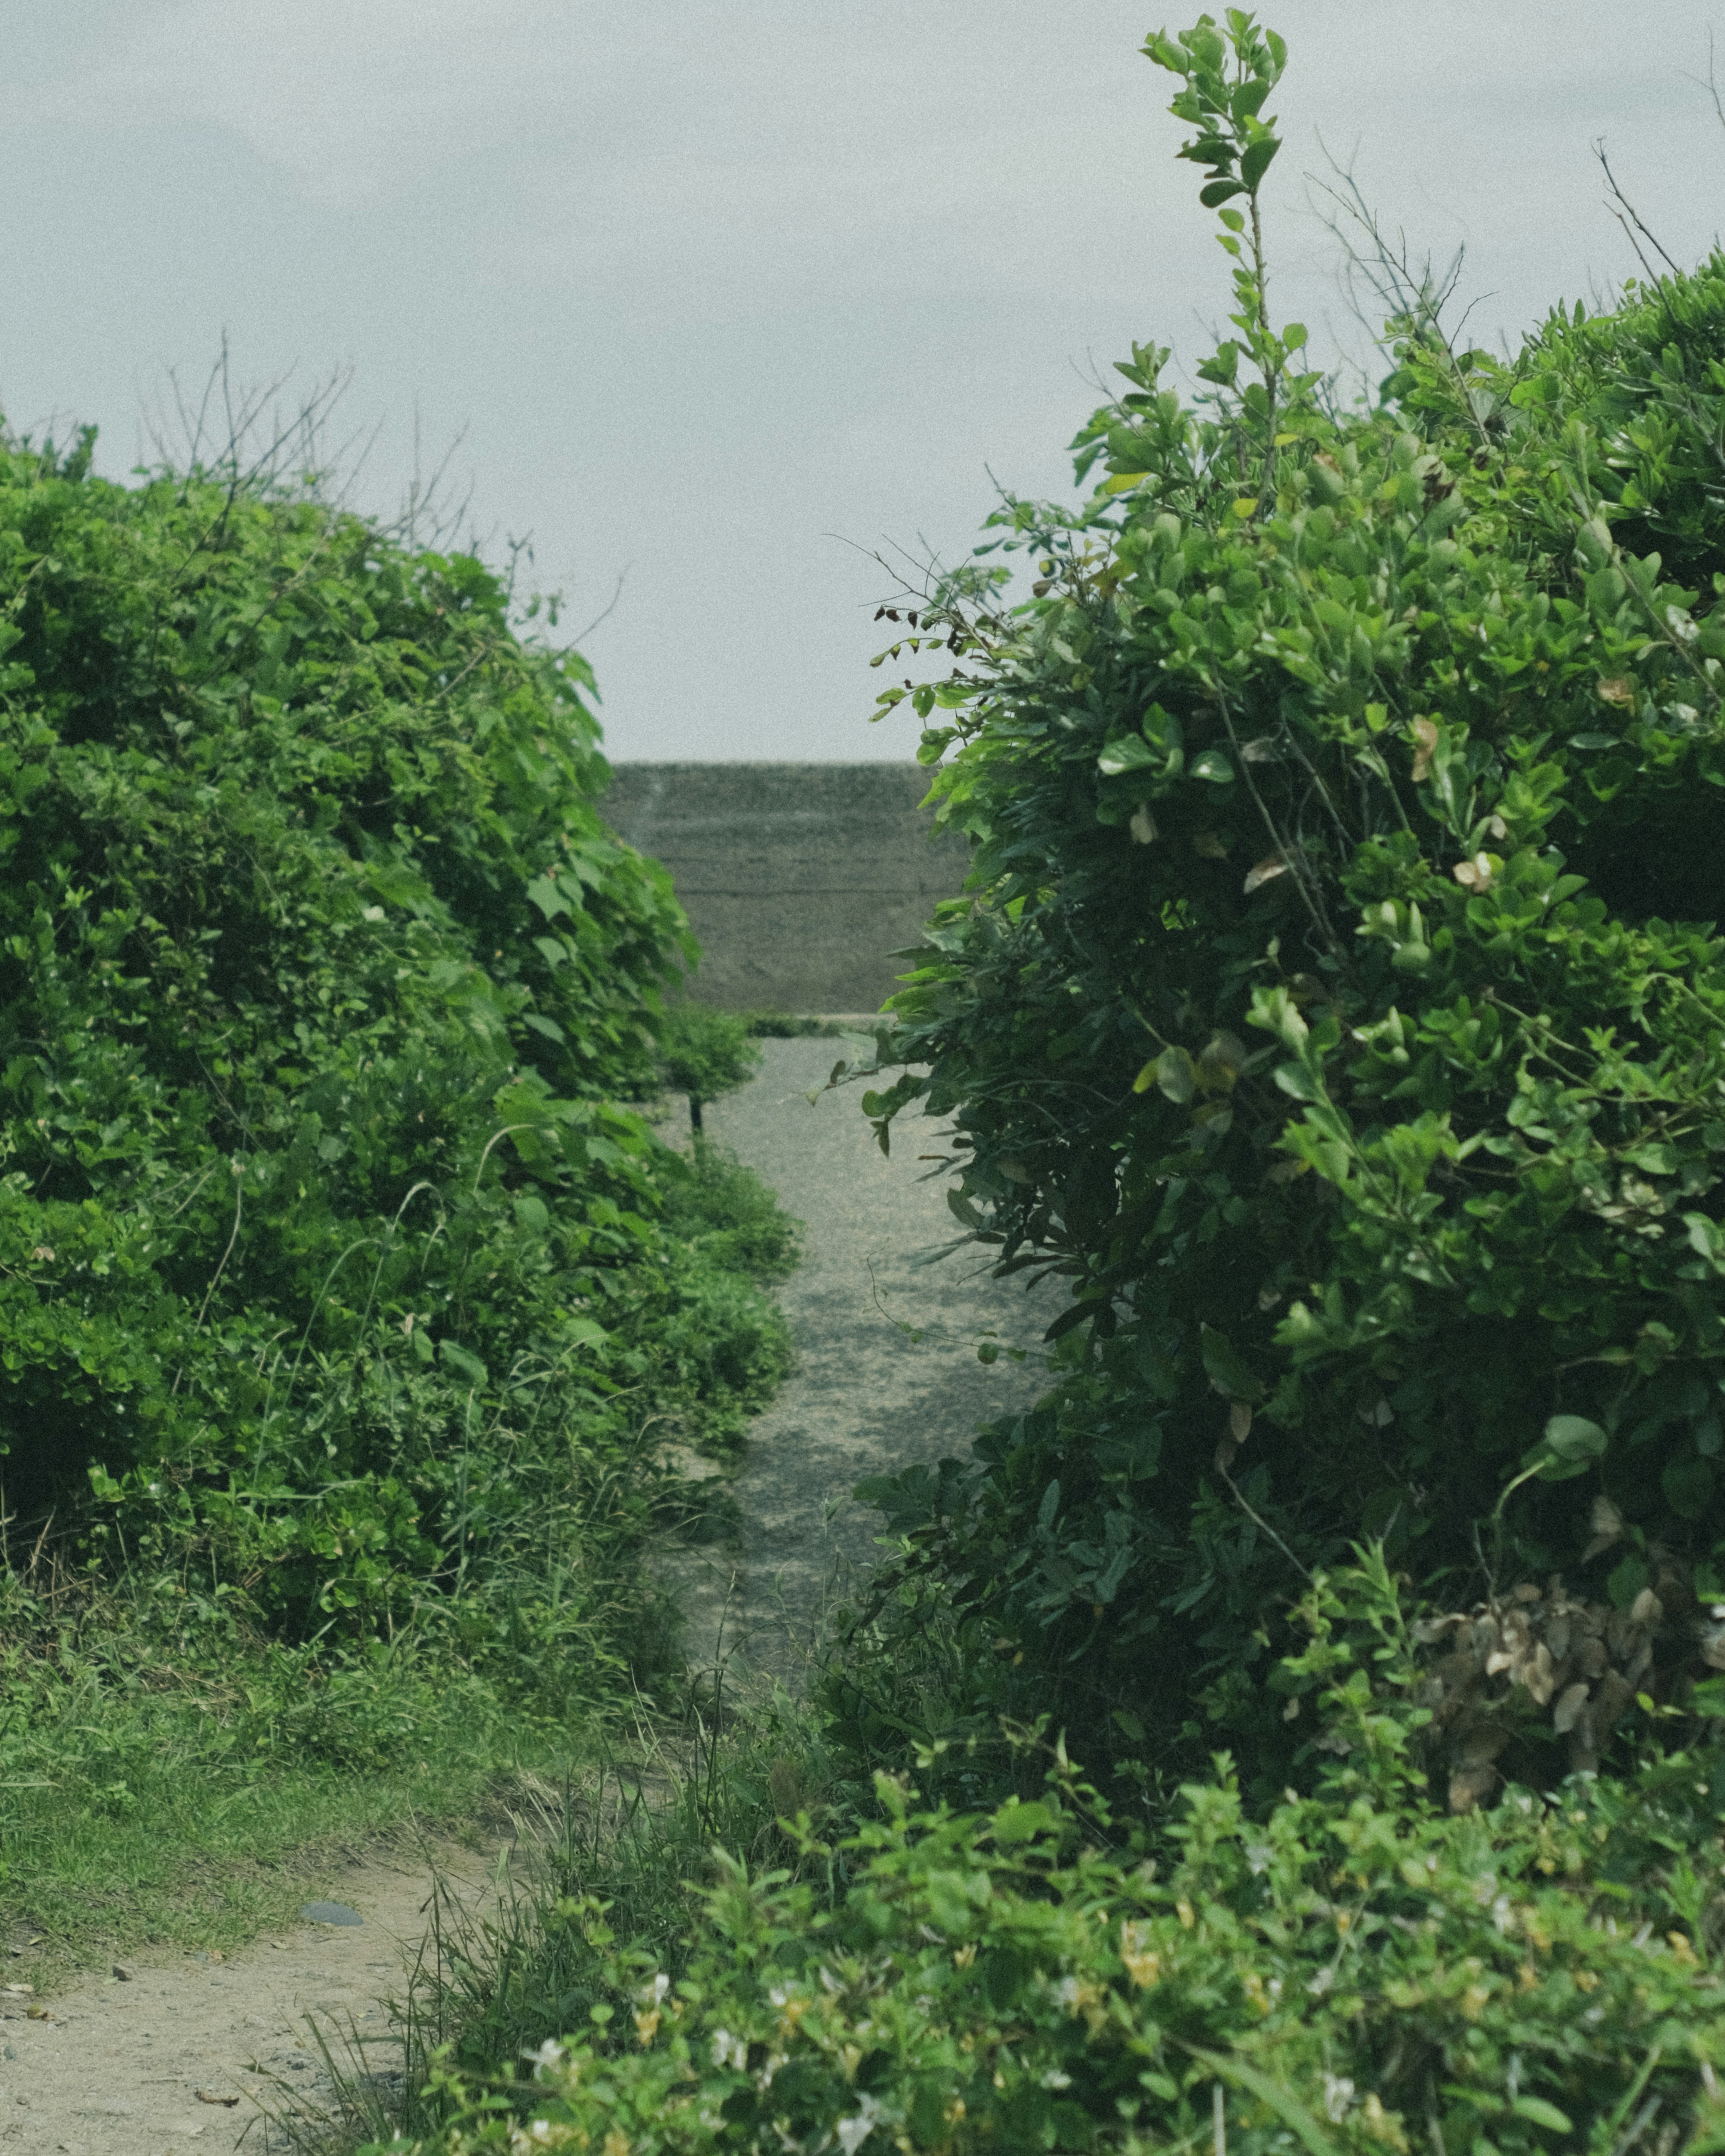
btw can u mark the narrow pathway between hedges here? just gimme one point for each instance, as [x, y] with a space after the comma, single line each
[887, 1371]
[178, 2057]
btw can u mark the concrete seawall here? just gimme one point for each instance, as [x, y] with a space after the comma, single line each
[801, 879]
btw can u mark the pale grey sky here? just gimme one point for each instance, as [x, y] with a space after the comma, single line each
[718, 286]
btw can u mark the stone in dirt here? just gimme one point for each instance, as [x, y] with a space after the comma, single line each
[330, 1912]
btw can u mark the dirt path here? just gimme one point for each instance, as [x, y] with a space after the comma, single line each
[887, 1373]
[178, 2057]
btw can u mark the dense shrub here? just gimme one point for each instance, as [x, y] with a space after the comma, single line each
[327, 1255]
[1336, 1001]
[1353, 1970]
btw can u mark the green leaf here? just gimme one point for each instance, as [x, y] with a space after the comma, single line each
[1017, 1822]
[1255, 161]
[1688, 1485]
[546, 895]
[1220, 191]
[1536, 2109]
[1226, 1368]
[1572, 1437]
[1223, 366]
[462, 1364]
[1176, 1075]
[1126, 752]
[1213, 766]
[1270, 2092]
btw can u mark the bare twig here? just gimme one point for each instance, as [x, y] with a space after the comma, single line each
[605, 612]
[1626, 209]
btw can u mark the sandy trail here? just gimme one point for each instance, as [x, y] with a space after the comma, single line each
[887, 1370]
[115, 2068]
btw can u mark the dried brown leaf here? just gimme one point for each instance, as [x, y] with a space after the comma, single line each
[1567, 1712]
[1468, 1784]
[1613, 1696]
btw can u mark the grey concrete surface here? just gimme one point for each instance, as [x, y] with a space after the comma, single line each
[887, 1370]
[801, 879]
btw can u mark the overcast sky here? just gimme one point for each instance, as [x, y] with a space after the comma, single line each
[728, 294]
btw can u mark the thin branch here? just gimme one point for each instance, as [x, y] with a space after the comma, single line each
[1260, 1521]
[1629, 210]
[606, 613]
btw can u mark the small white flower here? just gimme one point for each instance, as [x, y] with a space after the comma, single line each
[1339, 2097]
[854, 2131]
[729, 2050]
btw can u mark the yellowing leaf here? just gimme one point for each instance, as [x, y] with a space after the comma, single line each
[1618, 689]
[1265, 871]
[1425, 734]
[1124, 482]
[1143, 826]
[1220, 1064]
[1245, 508]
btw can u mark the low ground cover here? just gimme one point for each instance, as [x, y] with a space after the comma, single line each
[1354, 1969]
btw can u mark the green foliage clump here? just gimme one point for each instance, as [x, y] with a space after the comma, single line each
[1350, 1971]
[1338, 1002]
[706, 1054]
[328, 1259]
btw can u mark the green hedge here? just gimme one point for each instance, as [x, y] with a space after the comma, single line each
[1337, 1002]
[328, 1259]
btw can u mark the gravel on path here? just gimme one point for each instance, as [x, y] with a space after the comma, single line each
[190, 2054]
[887, 1372]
